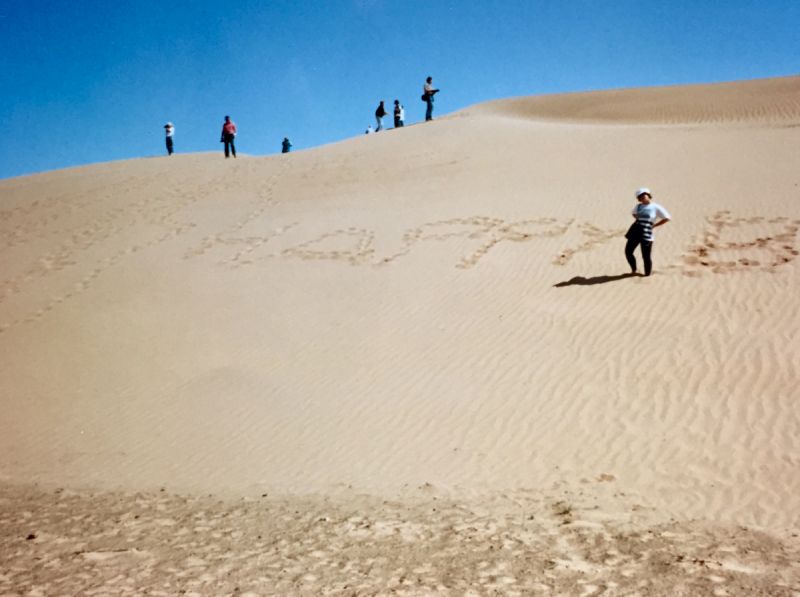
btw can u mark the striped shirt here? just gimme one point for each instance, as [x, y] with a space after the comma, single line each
[647, 215]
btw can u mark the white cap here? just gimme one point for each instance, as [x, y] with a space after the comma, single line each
[642, 191]
[168, 124]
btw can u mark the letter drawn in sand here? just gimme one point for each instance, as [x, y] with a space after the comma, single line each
[490, 231]
[736, 244]
[596, 236]
[353, 245]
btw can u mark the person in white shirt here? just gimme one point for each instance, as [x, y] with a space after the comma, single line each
[170, 130]
[399, 114]
[369, 130]
[427, 97]
[648, 215]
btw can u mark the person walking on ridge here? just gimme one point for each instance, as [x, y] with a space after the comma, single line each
[399, 115]
[427, 97]
[648, 215]
[287, 147]
[169, 130]
[379, 114]
[228, 135]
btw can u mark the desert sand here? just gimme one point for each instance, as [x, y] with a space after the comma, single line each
[413, 363]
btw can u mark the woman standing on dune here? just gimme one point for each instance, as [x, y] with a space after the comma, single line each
[648, 215]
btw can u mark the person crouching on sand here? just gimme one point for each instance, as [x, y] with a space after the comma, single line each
[648, 215]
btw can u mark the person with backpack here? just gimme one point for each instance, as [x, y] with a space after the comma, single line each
[228, 135]
[286, 146]
[399, 115]
[379, 114]
[427, 97]
[648, 215]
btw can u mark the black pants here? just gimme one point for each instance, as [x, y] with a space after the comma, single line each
[228, 139]
[169, 145]
[397, 122]
[647, 247]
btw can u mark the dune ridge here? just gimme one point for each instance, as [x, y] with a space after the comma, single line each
[773, 101]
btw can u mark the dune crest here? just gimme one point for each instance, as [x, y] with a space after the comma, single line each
[774, 101]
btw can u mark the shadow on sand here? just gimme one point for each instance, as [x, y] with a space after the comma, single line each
[581, 281]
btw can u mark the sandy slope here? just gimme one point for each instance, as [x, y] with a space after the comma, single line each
[439, 307]
[765, 101]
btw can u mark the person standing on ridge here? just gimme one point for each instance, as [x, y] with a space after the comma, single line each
[379, 114]
[228, 135]
[287, 147]
[648, 215]
[170, 130]
[399, 115]
[427, 97]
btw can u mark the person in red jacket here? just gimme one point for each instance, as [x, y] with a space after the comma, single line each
[228, 135]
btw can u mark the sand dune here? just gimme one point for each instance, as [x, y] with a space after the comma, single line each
[435, 314]
[763, 101]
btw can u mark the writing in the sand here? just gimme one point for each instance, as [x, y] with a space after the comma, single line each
[726, 243]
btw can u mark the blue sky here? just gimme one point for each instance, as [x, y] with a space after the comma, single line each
[92, 81]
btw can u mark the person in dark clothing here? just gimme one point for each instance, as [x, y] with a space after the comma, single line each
[228, 135]
[287, 147]
[379, 114]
